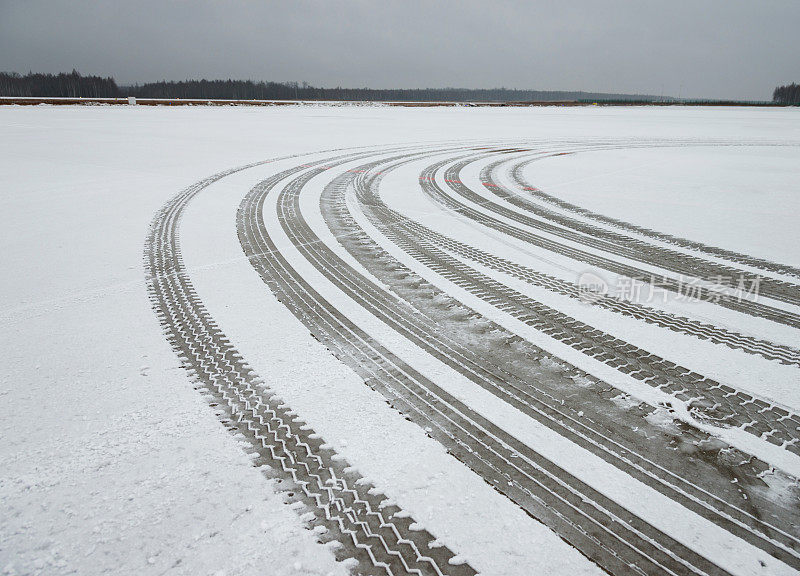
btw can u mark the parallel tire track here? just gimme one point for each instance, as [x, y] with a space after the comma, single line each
[683, 325]
[514, 391]
[708, 399]
[716, 334]
[617, 243]
[752, 308]
[517, 175]
[413, 395]
[369, 529]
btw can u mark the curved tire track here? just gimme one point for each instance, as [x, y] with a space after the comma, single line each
[405, 388]
[428, 180]
[535, 193]
[374, 258]
[373, 533]
[627, 246]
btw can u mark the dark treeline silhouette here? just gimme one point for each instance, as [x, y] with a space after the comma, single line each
[71, 85]
[789, 94]
[249, 90]
[74, 85]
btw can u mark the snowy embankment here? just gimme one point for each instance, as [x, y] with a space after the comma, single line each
[114, 462]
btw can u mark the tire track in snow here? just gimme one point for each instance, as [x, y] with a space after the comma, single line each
[708, 399]
[716, 334]
[377, 535]
[745, 306]
[533, 192]
[353, 345]
[683, 325]
[616, 243]
[518, 392]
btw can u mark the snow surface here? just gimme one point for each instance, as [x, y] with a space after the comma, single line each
[744, 199]
[112, 462]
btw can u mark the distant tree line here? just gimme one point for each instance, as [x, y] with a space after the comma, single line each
[789, 94]
[249, 90]
[72, 85]
[75, 85]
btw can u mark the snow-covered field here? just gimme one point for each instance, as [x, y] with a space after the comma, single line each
[438, 257]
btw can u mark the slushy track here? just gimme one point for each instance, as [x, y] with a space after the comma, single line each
[601, 529]
[532, 192]
[708, 485]
[368, 528]
[752, 308]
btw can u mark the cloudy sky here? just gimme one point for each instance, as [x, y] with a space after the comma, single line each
[696, 48]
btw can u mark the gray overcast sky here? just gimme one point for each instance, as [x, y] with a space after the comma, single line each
[712, 48]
